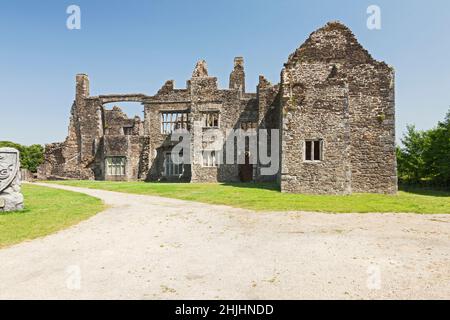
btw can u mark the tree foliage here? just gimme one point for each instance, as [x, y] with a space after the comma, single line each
[424, 157]
[30, 156]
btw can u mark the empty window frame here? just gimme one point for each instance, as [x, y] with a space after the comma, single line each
[171, 169]
[313, 150]
[128, 131]
[115, 166]
[173, 120]
[210, 158]
[211, 119]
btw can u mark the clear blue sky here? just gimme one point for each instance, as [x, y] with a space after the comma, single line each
[135, 46]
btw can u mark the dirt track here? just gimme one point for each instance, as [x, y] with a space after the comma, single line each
[146, 247]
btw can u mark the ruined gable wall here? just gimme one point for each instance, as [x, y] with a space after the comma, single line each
[331, 89]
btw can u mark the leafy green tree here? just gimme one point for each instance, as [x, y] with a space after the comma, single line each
[33, 157]
[401, 164]
[411, 161]
[30, 157]
[437, 156]
[425, 155]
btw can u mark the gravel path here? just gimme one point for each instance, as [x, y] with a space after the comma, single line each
[146, 247]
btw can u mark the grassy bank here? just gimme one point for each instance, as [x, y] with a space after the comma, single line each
[267, 197]
[47, 211]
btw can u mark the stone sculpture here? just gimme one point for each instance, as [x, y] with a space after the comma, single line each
[11, 199]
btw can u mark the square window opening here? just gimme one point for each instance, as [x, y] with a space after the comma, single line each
[172, 169]
[314, 150]
[116, 166]
[210, 159]
[211, 119]
[128, 131]
[174, 120]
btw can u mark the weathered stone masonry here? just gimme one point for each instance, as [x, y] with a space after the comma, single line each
[333, 90]
[334, 107]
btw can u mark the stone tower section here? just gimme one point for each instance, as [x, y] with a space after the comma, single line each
[237, 76]
[82, 86]
[203, 92]
[88, 115]
[73, 157]
[202, 87]
[337, 100]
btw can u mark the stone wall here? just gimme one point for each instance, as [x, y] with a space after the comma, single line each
[132, 147]
[116, 122]
[166, 100]
[237, 76]
[268, 118]
[81, 155]
[333, 90]
[202, 95]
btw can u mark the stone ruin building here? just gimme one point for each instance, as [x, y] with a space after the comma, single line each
[334, 107]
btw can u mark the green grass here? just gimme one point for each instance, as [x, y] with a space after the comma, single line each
[266, 197]
[46, 211]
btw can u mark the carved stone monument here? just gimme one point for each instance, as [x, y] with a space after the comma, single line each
[11, 199]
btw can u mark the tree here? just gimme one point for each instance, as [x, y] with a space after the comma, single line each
[437, 156]
[411, 161]
[30, 157]
[425, 155]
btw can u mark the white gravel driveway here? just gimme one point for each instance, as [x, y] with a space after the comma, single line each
[146, 247]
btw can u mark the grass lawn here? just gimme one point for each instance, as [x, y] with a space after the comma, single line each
[267, 197]
[47, 211]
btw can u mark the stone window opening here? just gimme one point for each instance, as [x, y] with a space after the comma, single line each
[211, 119]
[170, 121]
[128, 131]
[172, 169]
[333, 72]
[115, 166]
[210, 159]
[313, 150]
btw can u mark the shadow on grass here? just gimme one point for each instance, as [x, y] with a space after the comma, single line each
[254, 185]
[424, 191]
[276, 187]
[10, 213]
